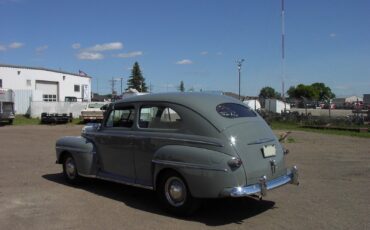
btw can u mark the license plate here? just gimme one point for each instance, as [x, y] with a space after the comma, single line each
[269, 151]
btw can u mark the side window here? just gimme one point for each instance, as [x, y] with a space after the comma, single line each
[121, 117]
[159, 117]
[1, 83]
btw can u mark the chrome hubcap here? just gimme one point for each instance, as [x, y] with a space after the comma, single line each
[175, 190]
[70, 168]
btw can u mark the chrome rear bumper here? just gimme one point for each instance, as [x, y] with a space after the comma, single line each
[264, 185]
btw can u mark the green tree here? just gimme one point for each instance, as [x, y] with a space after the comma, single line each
[316, 91]
[302, 90]
[181, 87]
[136, 80]
[268, 92]
[322, 92]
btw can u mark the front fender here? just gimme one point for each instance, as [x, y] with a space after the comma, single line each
[205, 171]
[81, 149]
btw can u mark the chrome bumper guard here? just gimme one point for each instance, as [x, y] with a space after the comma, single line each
[264, 185]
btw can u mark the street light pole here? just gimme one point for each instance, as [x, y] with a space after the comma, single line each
[121, 85]
[239, 63]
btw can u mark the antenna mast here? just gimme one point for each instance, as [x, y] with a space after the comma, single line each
[283, 49]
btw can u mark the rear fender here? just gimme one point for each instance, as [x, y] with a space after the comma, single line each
[205, 171]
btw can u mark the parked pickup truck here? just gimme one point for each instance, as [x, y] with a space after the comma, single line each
[93, 112]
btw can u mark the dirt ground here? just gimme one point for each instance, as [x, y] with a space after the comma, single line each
[334, 192]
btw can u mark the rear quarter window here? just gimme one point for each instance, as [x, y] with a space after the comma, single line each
[233, 110]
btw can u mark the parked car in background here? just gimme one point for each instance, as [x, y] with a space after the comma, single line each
[184, 146]
[94, 111]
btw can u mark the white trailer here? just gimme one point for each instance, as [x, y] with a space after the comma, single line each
[253, 104]
[276, 106]
[6, 105]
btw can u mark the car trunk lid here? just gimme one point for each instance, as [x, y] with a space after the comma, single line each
[258, 148]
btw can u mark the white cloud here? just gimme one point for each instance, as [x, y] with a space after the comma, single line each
[332, 35]
[106, 46]
[41, 48]
[184, 62]
[219, 53]
[15, 45]
[2, 48]
[9, 1]
[76, 46]
[129, 55]
[204, 53]
[90, 56]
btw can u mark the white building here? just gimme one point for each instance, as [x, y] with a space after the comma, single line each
[32, 84]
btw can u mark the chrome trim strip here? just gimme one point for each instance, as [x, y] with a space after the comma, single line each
[262, 187]
[85, 175]
[125, 183]
[188, 165]
[117, 181]
[195, 141]
[212, 143]
[133, 135]
[261, 141]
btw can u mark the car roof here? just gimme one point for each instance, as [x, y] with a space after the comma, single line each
[203, 103]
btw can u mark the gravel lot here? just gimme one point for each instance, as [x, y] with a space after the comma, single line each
[334, 191]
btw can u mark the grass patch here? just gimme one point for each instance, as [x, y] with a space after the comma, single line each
[295, 126]
[77, 121]
[291, 140]
[23, 120]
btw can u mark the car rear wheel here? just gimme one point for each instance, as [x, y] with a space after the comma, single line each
[175, 195]
[70, 170]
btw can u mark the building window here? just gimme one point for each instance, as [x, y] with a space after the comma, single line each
[1, 83]
[28, 82]
[77, 88]
[49, 97]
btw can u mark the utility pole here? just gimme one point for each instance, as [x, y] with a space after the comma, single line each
[112, 85]
[239, 64]
[283, 53]
[97, 86]
[121, 85]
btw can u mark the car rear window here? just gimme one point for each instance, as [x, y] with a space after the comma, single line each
[232, 110]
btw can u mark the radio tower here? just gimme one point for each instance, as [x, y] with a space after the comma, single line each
[283, 50]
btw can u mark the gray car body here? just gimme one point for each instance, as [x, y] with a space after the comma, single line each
[199, 150]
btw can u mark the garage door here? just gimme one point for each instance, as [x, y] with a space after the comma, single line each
[49, 90]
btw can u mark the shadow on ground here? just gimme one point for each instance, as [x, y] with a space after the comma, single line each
[214, 212]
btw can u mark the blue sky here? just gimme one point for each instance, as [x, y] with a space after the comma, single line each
[196, 41]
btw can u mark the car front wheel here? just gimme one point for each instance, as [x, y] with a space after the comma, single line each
[175, 195]
[70, 170]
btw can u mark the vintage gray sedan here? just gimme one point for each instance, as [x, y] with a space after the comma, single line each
[185, 146]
